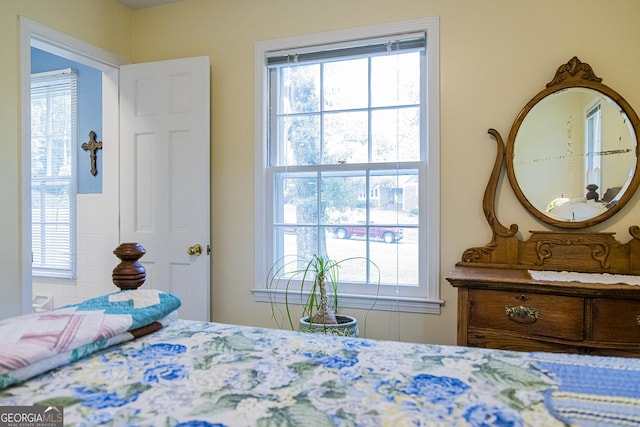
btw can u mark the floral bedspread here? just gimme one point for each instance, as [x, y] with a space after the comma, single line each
[208, 374]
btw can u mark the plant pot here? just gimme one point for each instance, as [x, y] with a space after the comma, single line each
[347, 326]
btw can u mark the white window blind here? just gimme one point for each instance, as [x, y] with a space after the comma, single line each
[53, 177]
[348, 50]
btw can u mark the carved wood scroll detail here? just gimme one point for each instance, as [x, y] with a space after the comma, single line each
[599, 251]
[488, 201]
[478, 254]
[571, 69]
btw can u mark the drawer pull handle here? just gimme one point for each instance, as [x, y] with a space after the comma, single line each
[521, 314]
[638, 319]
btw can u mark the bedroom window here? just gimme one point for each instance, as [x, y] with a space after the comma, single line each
[53, 181]
[348, 159]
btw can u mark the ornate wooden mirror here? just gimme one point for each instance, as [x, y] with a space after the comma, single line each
[572, 153]
[532, 147]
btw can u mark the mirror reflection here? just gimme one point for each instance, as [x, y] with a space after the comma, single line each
[574, 154]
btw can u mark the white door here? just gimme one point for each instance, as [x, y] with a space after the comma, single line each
[165, 175]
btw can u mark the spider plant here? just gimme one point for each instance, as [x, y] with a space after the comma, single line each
[318, 276]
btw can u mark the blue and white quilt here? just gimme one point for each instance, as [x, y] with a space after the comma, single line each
[593, 391]
[35, 343]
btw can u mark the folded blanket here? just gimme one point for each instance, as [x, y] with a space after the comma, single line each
[35, 343]
[592, 391]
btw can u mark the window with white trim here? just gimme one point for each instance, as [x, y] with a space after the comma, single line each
[593, 138]
[348, 160]
[53, 177]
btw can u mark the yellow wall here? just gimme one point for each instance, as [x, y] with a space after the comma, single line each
[495, 55]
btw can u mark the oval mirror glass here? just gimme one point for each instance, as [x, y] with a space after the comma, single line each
[572, 154]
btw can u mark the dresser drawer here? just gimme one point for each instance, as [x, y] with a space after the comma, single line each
[616, 320]
[527, 313]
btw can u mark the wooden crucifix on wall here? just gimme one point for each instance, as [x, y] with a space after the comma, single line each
[92, 146]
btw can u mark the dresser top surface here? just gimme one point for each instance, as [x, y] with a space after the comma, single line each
[522, 279]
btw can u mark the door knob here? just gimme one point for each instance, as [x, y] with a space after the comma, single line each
[195, 250]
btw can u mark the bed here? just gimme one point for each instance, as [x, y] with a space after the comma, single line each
[128, 359]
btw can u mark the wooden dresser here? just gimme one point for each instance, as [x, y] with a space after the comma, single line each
[503, 303]
[507, 309]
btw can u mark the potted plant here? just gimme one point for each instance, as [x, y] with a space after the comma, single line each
[319, 277]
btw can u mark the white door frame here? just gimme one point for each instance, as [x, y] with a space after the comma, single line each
[42, 37]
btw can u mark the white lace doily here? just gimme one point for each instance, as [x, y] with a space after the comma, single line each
[571, 276]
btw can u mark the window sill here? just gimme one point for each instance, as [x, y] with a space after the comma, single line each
[53, 280]
[383, 303]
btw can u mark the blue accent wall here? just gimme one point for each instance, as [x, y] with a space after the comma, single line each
[89, 113]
